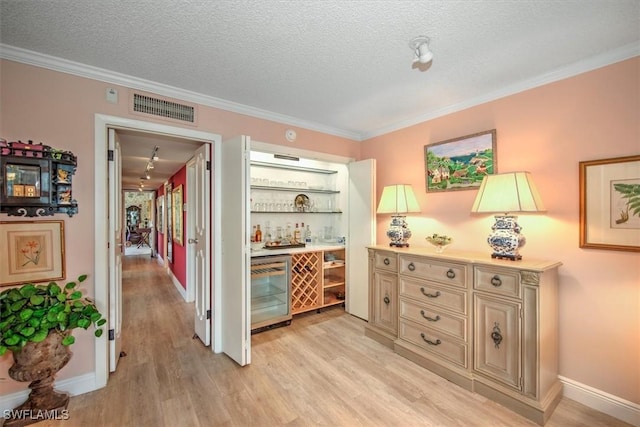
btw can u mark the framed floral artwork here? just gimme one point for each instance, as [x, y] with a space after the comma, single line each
[610, 204]
[460, 163]
[177, 215]
[160, 214]
[35, 252]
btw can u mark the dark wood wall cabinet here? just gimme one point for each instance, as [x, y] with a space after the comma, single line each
[36, 180]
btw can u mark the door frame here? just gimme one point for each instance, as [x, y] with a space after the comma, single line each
[102, 123]
[190, 231]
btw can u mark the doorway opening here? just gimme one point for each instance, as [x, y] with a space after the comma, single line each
[102, 272]
[141, 227]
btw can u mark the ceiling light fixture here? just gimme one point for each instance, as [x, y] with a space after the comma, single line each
[420, 47]
[153, 158]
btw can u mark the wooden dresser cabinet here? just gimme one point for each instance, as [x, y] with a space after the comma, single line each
[489, 326]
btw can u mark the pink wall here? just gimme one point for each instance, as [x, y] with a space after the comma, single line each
[59, 110]
[546, 131]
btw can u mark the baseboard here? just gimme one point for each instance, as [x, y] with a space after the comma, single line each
[74, 386]
[178, 286]
[609, 404]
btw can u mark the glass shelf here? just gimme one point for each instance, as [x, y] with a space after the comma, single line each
[296, 212]
[292, 167]
[297, 190]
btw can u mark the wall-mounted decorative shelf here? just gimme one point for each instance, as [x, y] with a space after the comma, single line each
[36, 180]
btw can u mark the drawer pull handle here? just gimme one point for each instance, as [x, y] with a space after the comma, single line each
[430, 319]
[496, 336]
[436, 342]
[496, 281]
[451, 274]
[386, 299]
[436, 295]
[386, 261]
[411, 267]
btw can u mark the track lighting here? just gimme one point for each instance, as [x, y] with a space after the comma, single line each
[420, 47]
[150, 166]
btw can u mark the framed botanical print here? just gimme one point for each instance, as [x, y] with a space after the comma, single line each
[35, 252]
[610, 204]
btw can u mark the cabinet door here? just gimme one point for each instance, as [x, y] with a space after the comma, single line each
[362, 233]
[236, 292]
[385, 302]
[498, 339]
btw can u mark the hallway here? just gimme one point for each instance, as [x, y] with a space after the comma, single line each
[321, 370]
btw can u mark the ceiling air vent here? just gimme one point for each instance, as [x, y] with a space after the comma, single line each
[163, 108]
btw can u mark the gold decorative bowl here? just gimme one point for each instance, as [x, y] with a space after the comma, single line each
[440, 241]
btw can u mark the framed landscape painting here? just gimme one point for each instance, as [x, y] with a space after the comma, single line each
[610, 204]
[460, 163]
[35, 252]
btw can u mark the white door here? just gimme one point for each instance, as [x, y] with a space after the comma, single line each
[200, 200]
[115, 251]
[236, 255]
[362, 233]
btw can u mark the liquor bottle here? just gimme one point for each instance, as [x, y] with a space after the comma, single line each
[253, 234]
[288, 237]
[307, 235]
[258, 234]
[297, 235]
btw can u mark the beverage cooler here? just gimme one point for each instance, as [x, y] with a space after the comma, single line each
[270, 292]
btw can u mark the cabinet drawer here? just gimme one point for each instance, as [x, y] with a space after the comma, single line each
[434, 342]
[444, 272]
[434, 294]
[452, 325]
[386, 261]
[497, 281]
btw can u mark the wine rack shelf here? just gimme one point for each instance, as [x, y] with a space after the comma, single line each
[306, 282]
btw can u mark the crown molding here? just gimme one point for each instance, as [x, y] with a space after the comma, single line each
[65, 66]
[617, 55]
[49, 62]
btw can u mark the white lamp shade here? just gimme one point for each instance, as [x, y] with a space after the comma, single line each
[508, 192]
[398, 198]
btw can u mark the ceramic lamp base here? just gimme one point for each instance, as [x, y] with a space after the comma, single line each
[505, 239]
[398, 231]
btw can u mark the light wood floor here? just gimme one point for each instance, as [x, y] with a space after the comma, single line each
[320, 371]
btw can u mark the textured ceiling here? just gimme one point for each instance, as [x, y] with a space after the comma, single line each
[342, 67]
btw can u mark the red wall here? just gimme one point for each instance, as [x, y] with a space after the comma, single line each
[179, 264]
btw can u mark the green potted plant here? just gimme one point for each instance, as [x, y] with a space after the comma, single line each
[36, 321]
